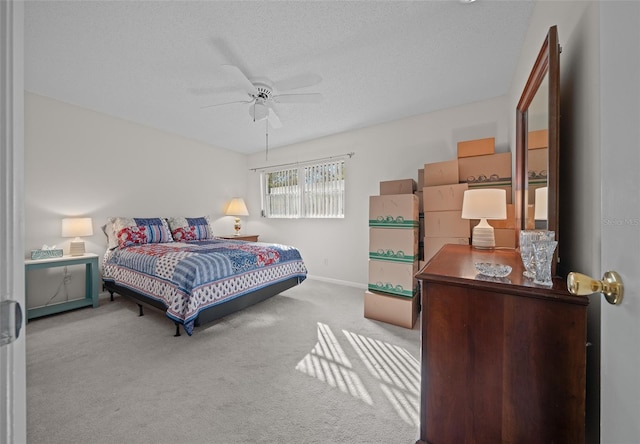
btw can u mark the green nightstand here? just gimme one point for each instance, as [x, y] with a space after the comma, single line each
[91, 283]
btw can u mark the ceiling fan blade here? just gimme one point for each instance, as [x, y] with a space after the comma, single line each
[298, 98]
[238, 76]
[297, 82]
[226, 103]
[274, 120]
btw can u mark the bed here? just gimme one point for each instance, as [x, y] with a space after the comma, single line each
[194, 279]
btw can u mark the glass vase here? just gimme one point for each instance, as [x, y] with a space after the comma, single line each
[527, 237]
[543, 254]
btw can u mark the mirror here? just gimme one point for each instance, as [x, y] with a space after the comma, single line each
[537, 139]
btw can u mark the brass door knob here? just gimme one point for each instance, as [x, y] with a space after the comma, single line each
[610, 286]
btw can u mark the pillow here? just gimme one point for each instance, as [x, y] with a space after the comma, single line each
[109, 231]
[190, 228]
[131, 231]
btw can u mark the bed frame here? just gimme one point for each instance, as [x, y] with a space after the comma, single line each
[209, 314]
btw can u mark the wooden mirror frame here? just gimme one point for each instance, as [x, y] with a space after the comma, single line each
[547, 63]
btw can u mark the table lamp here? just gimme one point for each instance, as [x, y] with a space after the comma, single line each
[237, 208]
[483, 204]
[77, 227]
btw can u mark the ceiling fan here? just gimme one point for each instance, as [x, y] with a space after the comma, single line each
[263, 94]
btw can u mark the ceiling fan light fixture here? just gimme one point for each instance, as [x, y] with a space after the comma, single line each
[258, 111]
[262, 96]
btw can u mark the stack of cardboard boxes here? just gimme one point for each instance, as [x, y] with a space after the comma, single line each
[477, 166]
[407, 227]
[481, 167]
[537, 158]
[393, 254]
[442, 204]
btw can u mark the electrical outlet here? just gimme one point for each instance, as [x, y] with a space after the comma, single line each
[326, 262]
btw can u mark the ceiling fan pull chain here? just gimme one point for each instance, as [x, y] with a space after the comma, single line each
[266, 134]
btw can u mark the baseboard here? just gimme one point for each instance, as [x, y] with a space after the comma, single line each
[337, 281]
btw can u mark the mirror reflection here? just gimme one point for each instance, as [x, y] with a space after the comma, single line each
[537, 158]
[537, 140]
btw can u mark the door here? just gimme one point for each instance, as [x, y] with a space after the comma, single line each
[12, 353]
[620, 226]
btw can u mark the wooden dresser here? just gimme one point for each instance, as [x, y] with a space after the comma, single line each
[503, 359]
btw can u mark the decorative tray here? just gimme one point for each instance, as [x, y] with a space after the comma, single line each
[492, 270]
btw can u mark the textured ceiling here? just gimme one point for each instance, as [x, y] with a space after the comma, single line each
[159, 62]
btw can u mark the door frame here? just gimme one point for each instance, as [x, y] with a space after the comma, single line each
[13, 412]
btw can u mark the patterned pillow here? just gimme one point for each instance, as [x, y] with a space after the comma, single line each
[190, 228]
[131, 231]
[109, 231]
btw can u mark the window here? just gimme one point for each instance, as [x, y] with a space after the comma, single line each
[312, 190]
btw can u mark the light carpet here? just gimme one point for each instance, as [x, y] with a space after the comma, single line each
[302, 367]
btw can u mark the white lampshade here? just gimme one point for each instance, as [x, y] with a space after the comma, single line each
[77, 227]
[483, 204]
[541, 205]
[236, 207]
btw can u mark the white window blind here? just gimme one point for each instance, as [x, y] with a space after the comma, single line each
[313, 190]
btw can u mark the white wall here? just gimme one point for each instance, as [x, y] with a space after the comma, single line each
[82, 163]
[579, 184]
[338, 249]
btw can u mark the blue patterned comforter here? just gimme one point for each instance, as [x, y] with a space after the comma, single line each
[188, 277]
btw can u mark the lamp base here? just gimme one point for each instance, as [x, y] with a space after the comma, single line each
[483, 237]
[237, 226]
[76, 248]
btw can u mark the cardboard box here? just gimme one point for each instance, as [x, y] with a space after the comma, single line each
[433, 244]
[393, 245]
[486, 171]
[393, 211]
[444, 197]
[530, 222]
[505, 237]
[537, 166]
[402, 312]
[538, 139]
[479, 147]
[509, 222]
[420, 179]
[441, 173]
[446, 224]
[401, 186]
[393, 277]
